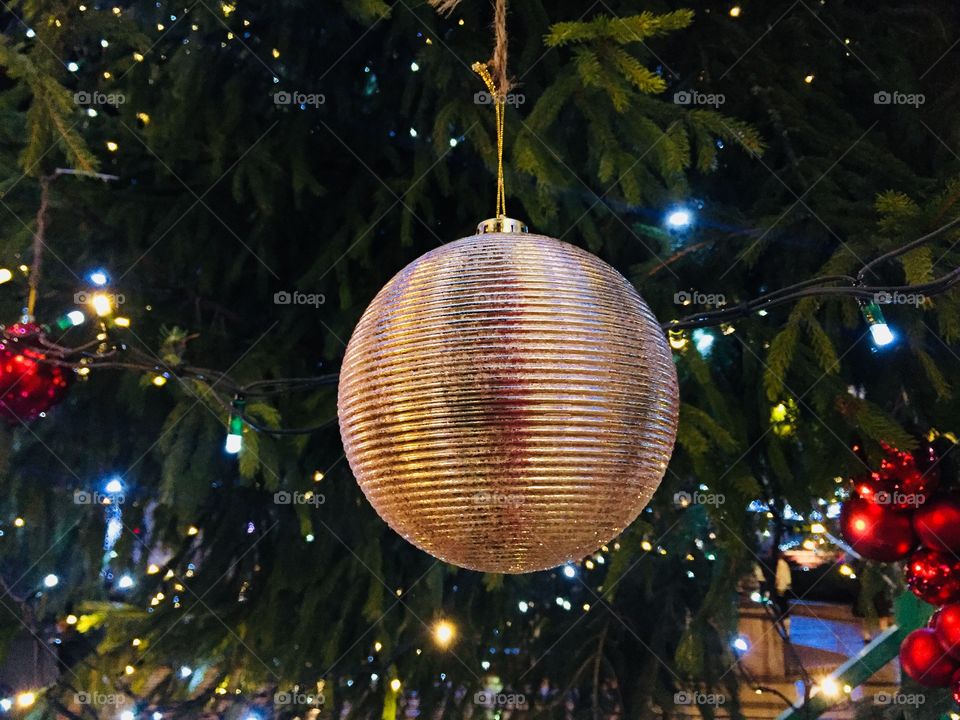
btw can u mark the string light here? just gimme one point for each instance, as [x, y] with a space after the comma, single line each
[26, 699]
[395, 685]
[443, 633]
[5, 275]
[880, 332]
[234, 443]
[679, 218]
[735, 11]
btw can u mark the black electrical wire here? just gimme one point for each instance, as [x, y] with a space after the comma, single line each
[823, 286]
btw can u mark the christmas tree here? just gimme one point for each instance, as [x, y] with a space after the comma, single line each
[218, 191]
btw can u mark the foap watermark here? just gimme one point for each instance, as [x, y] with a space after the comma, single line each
[294, 697]
[895, 97]
[903, 699]
[100, 699]
[695, 97]
[86, 298]
[485, 98]
[695, 697]
[686, 499]
[92, 497]
[95, 97]
[299, 99]
[899, 499]
[490, 699]
[695, 297]
[285, 497]
[498, 499]
[296, 297]
[885, 297]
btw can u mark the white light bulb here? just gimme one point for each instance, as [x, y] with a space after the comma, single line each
[51, 581]
[882, 334]
[234, 444]
[114, 486]
[679, 218]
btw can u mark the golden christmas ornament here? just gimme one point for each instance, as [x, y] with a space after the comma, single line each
[508, 402]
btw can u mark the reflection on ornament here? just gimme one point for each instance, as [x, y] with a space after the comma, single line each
[28, 386]
[508, 402]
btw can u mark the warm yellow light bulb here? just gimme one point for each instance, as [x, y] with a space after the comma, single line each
[143, 117]
[71, 619]
[123, 322]
[19, 522]
[129, 669]
[5, 275]
[276, 53]
[808, 79]
[159, 380]
[444, 633]
[735, 11]
[112, 146]
[26, 699]
[395, 685]
[100, 302]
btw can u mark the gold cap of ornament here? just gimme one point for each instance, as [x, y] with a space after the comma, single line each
[501, 225]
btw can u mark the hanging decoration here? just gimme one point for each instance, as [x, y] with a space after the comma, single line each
[28, 385]
[508, 402]
[877, 532]
[895, 510]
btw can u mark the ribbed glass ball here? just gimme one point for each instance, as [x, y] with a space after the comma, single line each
[508, 403]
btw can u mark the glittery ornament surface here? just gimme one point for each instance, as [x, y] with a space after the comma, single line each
[508, 402]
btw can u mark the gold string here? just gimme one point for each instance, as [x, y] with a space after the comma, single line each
[499, 106]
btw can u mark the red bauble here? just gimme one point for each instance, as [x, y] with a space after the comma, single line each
[947, 628]
[922, 658]
[905, 480]
[934, 576]
[877, 532]
[937, 524]
[28, 387]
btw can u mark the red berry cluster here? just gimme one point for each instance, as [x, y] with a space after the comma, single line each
[895, 515]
